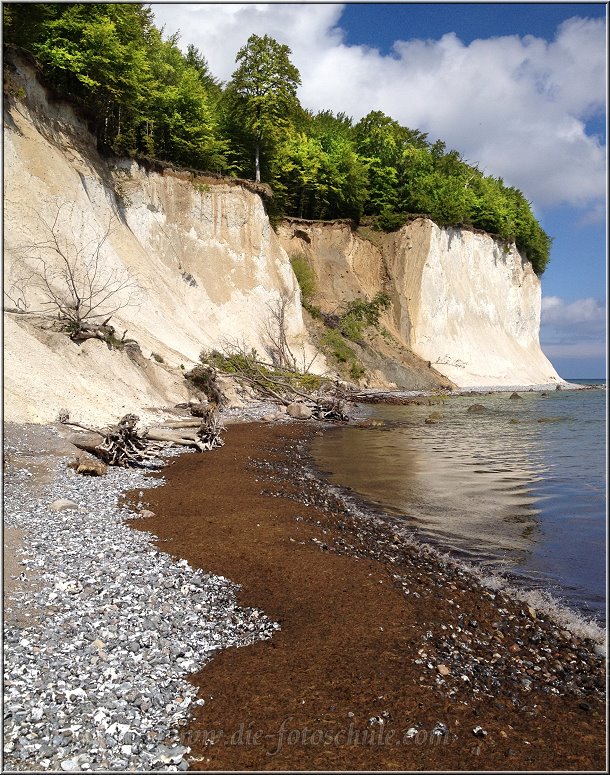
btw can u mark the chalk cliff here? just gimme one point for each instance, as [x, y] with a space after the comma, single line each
[461, 300]
[210, 268]
[208, 265]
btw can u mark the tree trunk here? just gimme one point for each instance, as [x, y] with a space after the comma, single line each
[257, 161]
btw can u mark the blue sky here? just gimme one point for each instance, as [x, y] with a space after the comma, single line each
[517, 88]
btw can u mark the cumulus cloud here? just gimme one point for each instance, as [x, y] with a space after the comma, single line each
[587, 311]
[516, 106]
[575, 329]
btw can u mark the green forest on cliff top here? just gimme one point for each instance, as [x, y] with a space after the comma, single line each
[144, 97]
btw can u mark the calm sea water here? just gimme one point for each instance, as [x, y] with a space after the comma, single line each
[519, 490]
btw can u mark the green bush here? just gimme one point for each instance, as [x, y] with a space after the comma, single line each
[387, 220]
[334, 344]
[361, 314]
[351, 327]
[314, 311]
[306, 278]
[248, 364]
[356, 370]
[200, 377]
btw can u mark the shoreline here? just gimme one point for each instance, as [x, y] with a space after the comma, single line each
[368, 638]
[370, 486]
[355, 682]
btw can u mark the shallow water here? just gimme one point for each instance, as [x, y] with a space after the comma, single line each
[518, 489]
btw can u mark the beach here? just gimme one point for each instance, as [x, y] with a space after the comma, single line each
[386, 659]
[386, 656]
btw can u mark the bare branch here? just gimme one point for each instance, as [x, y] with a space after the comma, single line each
[73, 276]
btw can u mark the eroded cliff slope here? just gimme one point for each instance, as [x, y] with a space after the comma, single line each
[461, 301]
[210, 270]
[208, 266]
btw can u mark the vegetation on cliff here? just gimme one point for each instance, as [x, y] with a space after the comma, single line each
[144, 96]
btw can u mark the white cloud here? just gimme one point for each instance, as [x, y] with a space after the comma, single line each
[517, 106]
[573, 330]
[587, 311]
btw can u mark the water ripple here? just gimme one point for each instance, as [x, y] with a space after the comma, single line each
[502, 487]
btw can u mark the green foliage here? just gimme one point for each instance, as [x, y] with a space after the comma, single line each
[203, 378]
[356, 370]
[157, 357]
[352, 328]
[388, 220]
[306, 277]
[144, 96]
[231, 363]
[265, 84]
[360, 314]
[334, 345]
[142, 93]
[201, 188]
[248, 364]
[314, 311]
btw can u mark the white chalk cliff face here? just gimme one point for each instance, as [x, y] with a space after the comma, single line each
[469, 305]
[210, 268]
[207, 262]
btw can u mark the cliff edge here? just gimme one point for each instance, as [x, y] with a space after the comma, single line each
[461, 301]
[208, 267]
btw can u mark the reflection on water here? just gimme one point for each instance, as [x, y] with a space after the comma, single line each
[518, 488]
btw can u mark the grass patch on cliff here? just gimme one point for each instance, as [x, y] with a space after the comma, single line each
[306, 279]
[334, 344]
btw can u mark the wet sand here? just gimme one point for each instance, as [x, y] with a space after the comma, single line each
[376, 637]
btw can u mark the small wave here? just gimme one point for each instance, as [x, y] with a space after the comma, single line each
[539, 599]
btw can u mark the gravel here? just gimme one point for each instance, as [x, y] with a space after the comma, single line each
[97, 680]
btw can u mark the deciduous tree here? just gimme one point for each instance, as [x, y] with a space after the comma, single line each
[266, 84]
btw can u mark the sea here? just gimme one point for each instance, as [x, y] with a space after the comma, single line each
[518, 491]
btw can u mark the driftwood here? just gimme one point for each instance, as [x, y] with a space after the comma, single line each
[181, 424]
[331, 410]
[280, 390]
[123, 445]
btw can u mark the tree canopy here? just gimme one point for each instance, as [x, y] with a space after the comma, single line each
[145, 96]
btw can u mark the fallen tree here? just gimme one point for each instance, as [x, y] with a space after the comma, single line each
[279, 385]
[124, 445]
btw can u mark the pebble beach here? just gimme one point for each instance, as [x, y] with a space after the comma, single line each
[101, 627]
[233, 611]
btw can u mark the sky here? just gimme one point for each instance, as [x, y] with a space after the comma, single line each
[519, 89]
